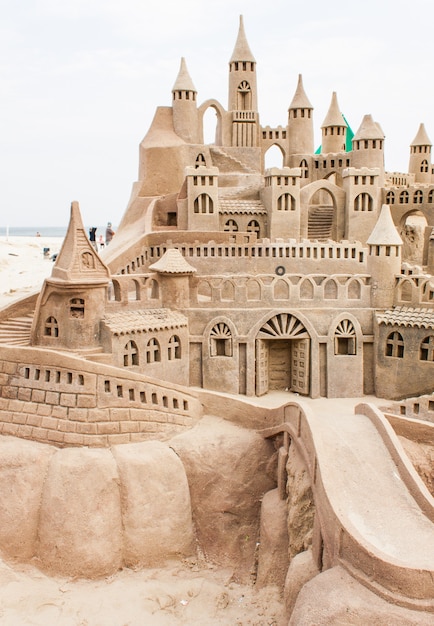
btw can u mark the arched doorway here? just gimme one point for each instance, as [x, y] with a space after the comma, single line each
[321, 219]
[283, 356]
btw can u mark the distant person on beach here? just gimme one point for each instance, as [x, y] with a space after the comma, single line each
[38, 234]
[101, 242]
[109, 233]
[92, 237]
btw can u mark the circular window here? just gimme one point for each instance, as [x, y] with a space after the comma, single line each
[280, 270]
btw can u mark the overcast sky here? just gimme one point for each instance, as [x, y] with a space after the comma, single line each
[80, 81]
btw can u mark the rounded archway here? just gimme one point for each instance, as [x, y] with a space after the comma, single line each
[321, 216]
[283, 355]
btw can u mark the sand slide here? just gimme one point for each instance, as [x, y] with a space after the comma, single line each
[375, 514]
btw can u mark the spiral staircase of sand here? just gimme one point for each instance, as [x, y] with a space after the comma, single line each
[16, 330]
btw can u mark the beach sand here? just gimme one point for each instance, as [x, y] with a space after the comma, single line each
[23, 265]
[184, 592]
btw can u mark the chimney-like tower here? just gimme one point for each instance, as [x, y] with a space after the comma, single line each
[420, 157]
[300, 122]
[334, 129]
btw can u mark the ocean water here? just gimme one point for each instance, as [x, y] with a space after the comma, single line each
[44, 231]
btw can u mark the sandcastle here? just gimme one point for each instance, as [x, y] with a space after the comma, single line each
[227, 281]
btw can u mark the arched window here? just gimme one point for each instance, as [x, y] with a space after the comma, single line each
[304, 169]
[424, 167]
[403, 197]
[431, 196]
[363, 202]
[220, 340]
[390, 197]
[418, 197]
[253, 227]
[345, 338]
[204, 204]
[200, 160]
[244, 96]
[231, 227]
[131, 354]
[174, 348]
[76, 307]
[51, 328]
[395, 345]
[153, 353]
[286, 202]
[427, 349]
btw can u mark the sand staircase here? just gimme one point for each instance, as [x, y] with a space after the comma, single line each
[227, 163]
[16, 330]
[320, 223]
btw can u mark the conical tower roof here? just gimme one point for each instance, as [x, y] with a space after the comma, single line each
[172, 262]
[334, 116]
[384, 232]
[300, 100]
[242, 50]
[369, 129]
[183, 81]
[421, 138]
[77, 261]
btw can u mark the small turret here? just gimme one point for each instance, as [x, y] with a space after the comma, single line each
[185, 120]
[243, 100]
[72, 301]
[174, 272]
[300, 122]
[420, 157]
[384, 260]
[368, 146]
[334, 129]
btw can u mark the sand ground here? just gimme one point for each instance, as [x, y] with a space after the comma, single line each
[185, 593]
[23, 265]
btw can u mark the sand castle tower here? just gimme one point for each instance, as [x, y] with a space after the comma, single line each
[243, 98]
[174, 272]
[300, 122]
[72, 301]
[384, 260]
[420, 157]
[334, 129]
[184, 95]
[368, 146]
[281, 194]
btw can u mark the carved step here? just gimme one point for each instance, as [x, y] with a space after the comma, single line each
[16, 330]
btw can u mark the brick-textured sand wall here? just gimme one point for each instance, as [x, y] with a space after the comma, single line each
[66, 401]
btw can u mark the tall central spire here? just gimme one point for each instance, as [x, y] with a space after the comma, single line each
[242, 50]
[243, 99]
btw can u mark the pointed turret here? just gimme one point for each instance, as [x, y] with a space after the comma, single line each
[77, 261]
[300, 122]
[420, 157]
[72, 301]
[183, 81]
[184, 94]
[384, 232]
[243, 100]
[333, 129]
[242, 50]
[368, 146]
[384, 260]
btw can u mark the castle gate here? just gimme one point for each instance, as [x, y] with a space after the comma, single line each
[283, 356]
